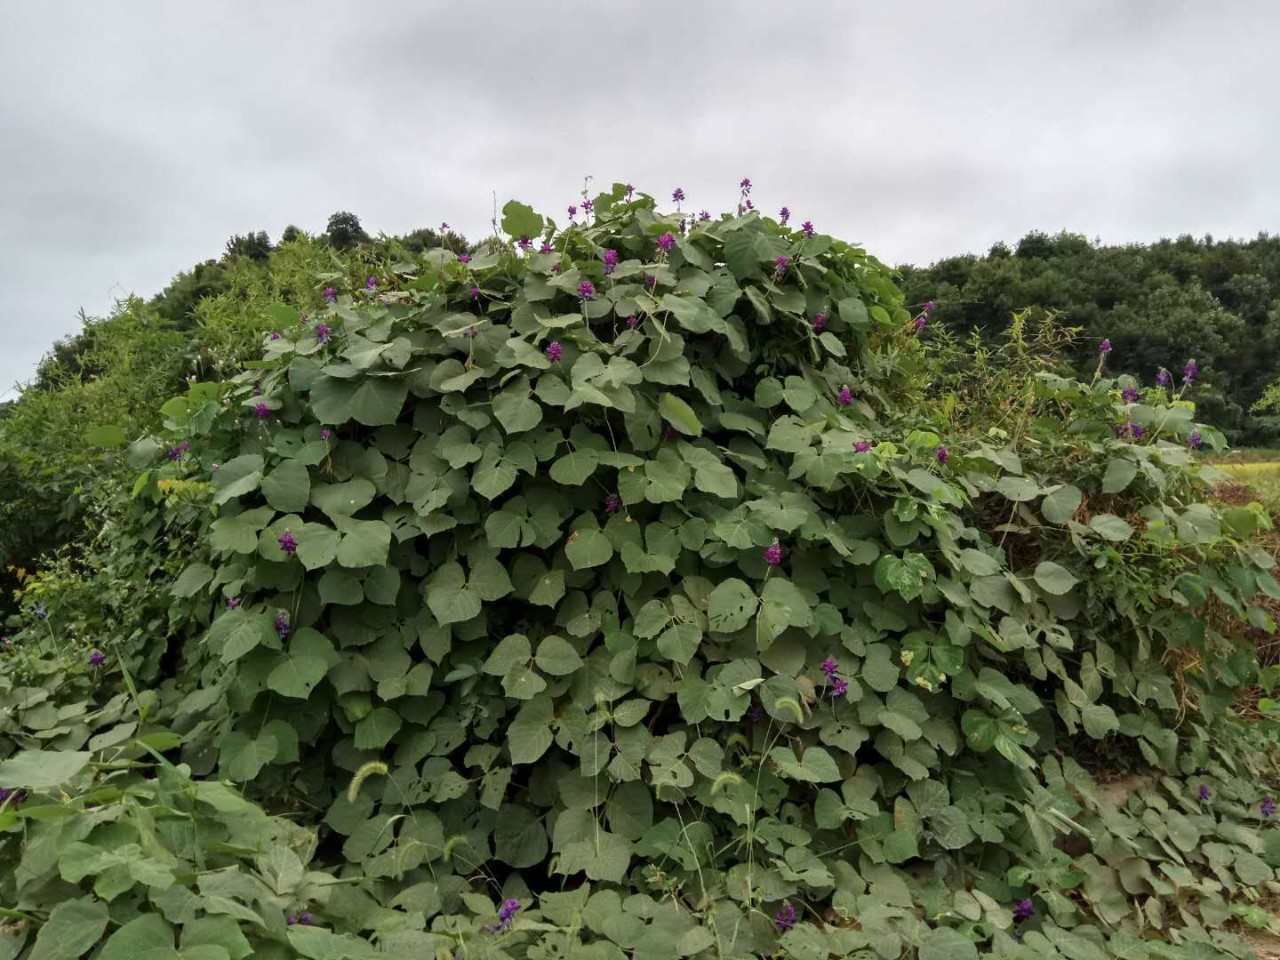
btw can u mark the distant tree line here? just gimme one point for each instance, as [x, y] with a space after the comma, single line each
[1160, 305]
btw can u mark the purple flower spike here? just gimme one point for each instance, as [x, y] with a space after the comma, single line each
[234, 603]
[464, 258]
[704, 216]
[755, 712]
[862, 446]
[819, 321]
[677, 195]
[573, 212]
[844, 397]
[749, 205]
[610, 261]
[588, 206]
[929, 306]
[1104, 346]
[633, 322]
[322, 333]
[666, 242]
[510, 907]
[773, 554]
[302, 919]
[283, 629]
[1129, 395]
[921, 321]
[371, 283]
[745, 185]
[942, 454]
[783, 216]
[525, 242]
[475, 293]
[330, 294]
[1024, 910]
[1195, 440]
[326, 433]
[1163, 377]
[630, 192]
[261, 410]
[555, 351]
[547, 247]
[839, 687]
[785, 918]
[586, 290]
[612, 503]
[1204, 793]
[807, 227]
[288, 543]
[780, 265]
[444, 227]
[98, 658]
[1190, 372]
[829, 667]
[1136, 430]
[275, 334]
[1268, 807]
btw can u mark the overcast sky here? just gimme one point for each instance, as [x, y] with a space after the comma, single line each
[136, 136]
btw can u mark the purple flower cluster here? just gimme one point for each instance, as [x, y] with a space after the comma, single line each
[610, 260]
[1104, 346]
[302, 919]
[1195, 440]
[630, 192]
[785, 918]
[588, 206]
[1128, 430]
[1190, 372]
[586, 290]
[464, 258]
[547, 247]
[819, 321]
[97, 658]
[371, 283]
[666, 242]
[1163, 377]
[525, 242]
[322, 333]
[922, 318]
[942, 455]
[1204, 793]
[573, 212]
[773, 553]
[234, 603]
[475, 293]
[1024, 910]
[612, 503]
[555, 351]
[839, 685]
[288, 543]
[780, 265]
[261, 410]
[784, 215]
[510, 907]
[175, 453]
[330, 294]
[807, 227]
[1268, 807]
[755, 712]
[1129, 395]
[844, 397]
[15, 795]
[283, 629]
[326, 433]
[677, 195]
[704, 216]
[632, 322]
[861, 446]
[275, 335]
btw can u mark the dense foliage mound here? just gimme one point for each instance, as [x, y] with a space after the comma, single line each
[641, 589]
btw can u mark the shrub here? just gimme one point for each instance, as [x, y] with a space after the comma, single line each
[639, 580]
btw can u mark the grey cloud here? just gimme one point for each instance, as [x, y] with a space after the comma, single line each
[137, 135]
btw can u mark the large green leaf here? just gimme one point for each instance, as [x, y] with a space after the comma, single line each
[72, 928]
[43, 769]
[288, 487]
